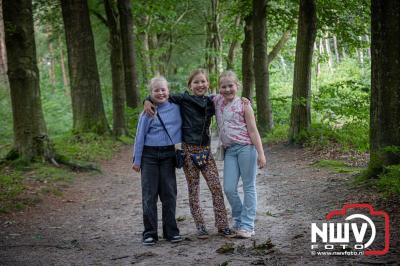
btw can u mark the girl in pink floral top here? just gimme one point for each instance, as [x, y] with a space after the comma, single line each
[230, 119]
[243, 152]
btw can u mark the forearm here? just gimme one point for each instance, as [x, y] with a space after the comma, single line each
[256, 140]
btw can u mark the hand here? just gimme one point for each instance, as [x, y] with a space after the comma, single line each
[149, 108]
[136, 168]
[246, 101]
[261, 161]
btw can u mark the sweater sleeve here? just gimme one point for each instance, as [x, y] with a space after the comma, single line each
[142, 128]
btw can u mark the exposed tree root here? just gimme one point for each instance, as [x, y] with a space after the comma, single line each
[56, 160]
[75, 165]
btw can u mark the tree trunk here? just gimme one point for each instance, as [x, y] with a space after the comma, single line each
[117, 72]
[385, 85]
[369, 45]
[284, 66]
[214, 41]
[318, 65]
[153, 45]
[128, 52]
[30, 135]
[52, 67]
[321, 46]
[300, 118]
[87, 104]
[360, 53]
[335, 47]
[247, 58]
[233, 46]
[145, 51]
[62, 63]
[264, 112]
[3, 56]
[329, 53]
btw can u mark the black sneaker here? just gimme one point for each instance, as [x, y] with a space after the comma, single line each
[226, 232]
[202, 232]
[149, 241]
[176, 239]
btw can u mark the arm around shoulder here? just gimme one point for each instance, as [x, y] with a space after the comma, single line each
[176, 98]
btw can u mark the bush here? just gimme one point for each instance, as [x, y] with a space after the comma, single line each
[389, 180]
[342, 102]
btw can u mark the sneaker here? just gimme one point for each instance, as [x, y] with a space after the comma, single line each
[235, 229]
[149, 241]
[175, 239]
[242, 233]
[202, 232]
[227, 232]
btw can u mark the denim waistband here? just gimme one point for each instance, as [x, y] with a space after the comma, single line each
[159, 148]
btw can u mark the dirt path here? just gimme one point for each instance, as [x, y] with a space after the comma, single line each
[98, 220]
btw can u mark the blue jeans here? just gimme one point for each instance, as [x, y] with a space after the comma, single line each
[241, 161]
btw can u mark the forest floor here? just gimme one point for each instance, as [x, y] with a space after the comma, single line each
[98, 220]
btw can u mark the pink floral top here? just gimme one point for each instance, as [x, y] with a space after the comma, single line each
[231, 122]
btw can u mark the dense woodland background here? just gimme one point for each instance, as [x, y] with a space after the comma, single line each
[322, 73]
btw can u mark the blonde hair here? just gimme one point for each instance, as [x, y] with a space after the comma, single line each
[229, 74]
[195, 73]
[155, 80]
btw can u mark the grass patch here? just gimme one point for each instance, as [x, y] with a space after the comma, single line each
[278, 134]
[86, 147]
[10, 188]
[388, 182]
[22, 185]
[348, 137]
[337, 166]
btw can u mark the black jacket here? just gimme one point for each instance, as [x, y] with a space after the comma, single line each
[196, 112]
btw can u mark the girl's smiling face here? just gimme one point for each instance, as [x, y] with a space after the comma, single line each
[159, 92]
[199, 84]
[228, 88]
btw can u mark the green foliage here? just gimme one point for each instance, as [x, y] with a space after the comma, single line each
[349, 136]
[337, 166]
[10, 187]
[132, 117]
[57, 111]
[392, 149]
[343, 102]
[86, 147]
[281, 14]
[389, 180]
[348, 20]
[278, 134]
[281, 107]
[6, 121]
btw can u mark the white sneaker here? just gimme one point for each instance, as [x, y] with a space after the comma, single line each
[242, 233]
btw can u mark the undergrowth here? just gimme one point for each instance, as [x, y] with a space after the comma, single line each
[388, 182]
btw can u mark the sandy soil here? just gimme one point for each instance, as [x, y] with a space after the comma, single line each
[98, 220]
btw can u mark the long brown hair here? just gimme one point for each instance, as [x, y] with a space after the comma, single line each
[195, 73]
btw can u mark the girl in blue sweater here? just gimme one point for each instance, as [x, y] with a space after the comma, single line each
[154, 156]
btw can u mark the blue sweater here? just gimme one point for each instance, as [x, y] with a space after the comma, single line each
[150, 132]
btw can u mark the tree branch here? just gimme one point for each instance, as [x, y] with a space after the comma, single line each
[100, 17]
[278, 46]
